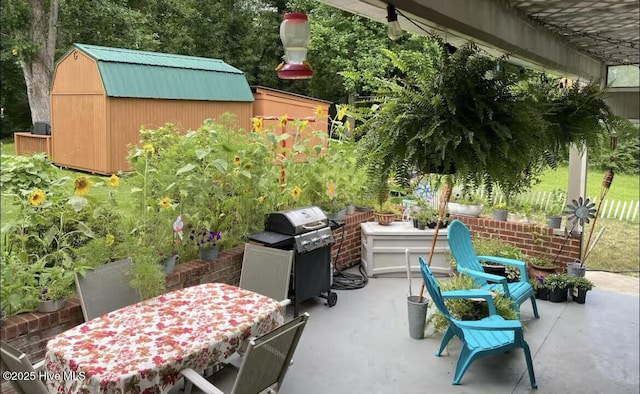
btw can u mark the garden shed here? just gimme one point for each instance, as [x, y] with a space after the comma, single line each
[101, 97]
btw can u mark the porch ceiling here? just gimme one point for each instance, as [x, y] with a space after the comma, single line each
[574, 38]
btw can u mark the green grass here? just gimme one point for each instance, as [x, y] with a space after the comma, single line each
[624, 187]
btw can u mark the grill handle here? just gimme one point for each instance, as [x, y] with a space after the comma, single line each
[314, 227]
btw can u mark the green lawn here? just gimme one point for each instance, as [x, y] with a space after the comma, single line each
[624, 187]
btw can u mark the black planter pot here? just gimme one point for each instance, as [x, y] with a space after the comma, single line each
[579, 295]
[558, 294]
[416, 224]
[494, 269]
[542, 294]
[431, 224]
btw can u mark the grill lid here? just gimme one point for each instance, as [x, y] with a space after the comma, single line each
[296, 221]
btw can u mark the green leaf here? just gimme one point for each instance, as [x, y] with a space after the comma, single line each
[186, 168]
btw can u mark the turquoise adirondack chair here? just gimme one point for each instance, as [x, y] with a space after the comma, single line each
[481, 338]
[468, 263]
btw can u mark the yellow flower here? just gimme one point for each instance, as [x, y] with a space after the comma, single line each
[165, 202]
[81, 185]
[36, 197]
[257, 124]
[108, 239]
[283, 120]
[235, 172]
[342, 111]
[148, 148]
[114, 180]
[236, 160]
[260, 199]
[295, 192]
[347, 126]
[304, 124]
[14, 52]
[318, 110]
[331, 190]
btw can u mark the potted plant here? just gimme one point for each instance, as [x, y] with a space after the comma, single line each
[537, 284]
[558, 285]
[555, 209]
[500, 211]
[385, 213]
[55, 284]
[538, 266]
[497, 247]
[579, 288]
[207, 243]
[468, 204]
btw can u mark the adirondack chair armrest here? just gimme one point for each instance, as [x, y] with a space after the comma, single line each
[521, 265]
[470, 294]
[491, 325]
[199, 381]
[488, 277]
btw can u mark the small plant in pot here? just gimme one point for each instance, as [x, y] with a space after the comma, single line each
[579, 288]
[500, 211]
[385, 213]
[55, 285]
[537, 284]
[558, 285]
[555, 209]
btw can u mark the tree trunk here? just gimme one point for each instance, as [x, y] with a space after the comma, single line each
[38, 69]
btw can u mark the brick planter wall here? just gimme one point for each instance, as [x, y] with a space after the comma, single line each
[533, 240]
[30, 332]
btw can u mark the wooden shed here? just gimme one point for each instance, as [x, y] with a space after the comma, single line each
[102, 96]
[271, 104]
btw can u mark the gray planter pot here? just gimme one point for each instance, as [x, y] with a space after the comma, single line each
[169, 264]
[500, 214]
[554, 221]
[46, 306]
[208, 254]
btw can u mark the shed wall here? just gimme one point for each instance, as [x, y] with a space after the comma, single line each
[76, 73]
[126, 116]
[78, 131]
[273, 103]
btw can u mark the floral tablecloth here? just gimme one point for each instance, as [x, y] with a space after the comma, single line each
[141, 348]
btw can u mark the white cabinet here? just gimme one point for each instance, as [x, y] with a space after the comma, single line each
[383, 248]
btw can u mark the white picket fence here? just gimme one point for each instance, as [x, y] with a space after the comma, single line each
[610, 209]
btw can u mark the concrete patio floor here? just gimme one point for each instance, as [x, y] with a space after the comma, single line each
[362, 345]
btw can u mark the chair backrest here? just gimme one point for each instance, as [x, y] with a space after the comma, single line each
[461, 248]
[105, 289]
[433, 288]
[15, 361]
[267, 358]
[266, 271]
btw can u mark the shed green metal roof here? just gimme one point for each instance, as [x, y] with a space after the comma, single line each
[140, 74]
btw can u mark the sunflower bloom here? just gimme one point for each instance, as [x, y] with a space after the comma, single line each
[331, 190]
[295, 192]
[342, 111]
[236, 160]
[282, 122]
[36, 197]
[260, 199]
[257, 124]
[304, 124]
[148, 148]
[165, 202]
[114, 180]
[318, 110]
[81, 185]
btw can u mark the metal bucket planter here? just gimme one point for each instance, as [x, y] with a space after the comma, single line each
[417, 308]
[46, 306]
[209, 254]
[554, 221]
[576, 269]
[169, 265]
[500, 215]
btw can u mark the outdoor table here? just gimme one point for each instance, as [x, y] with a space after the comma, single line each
[141, 348]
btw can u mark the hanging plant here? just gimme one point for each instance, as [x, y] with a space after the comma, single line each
[453, 112]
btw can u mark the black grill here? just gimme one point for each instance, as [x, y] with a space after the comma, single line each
[308, 233]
